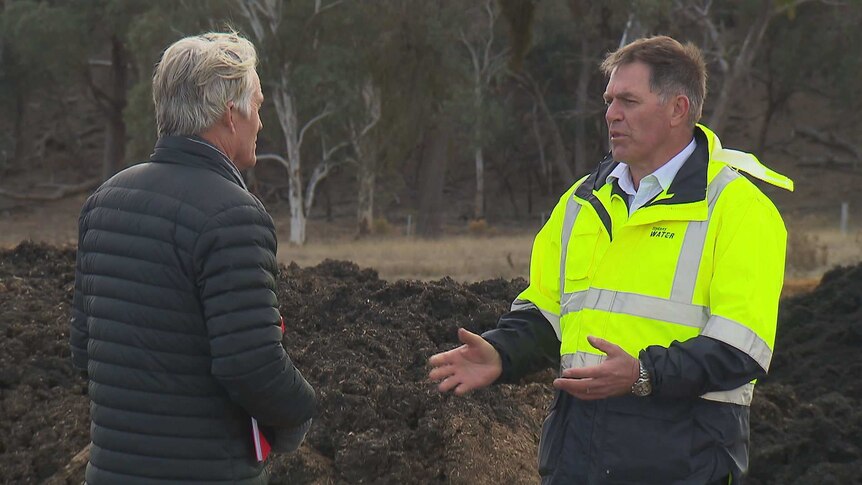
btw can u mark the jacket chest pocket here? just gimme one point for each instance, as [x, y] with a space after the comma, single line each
[580, 258]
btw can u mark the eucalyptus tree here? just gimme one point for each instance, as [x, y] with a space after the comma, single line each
[487, 58]
[819, 70]
[39, 58]
[297, 51]
[404, 65]
[733, 34]
[83, 43]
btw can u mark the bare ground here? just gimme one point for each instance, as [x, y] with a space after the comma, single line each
[363, 343]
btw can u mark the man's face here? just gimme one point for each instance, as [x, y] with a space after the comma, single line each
[247, 128]
[638, 123]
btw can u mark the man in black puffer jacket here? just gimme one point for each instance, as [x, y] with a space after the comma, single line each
[175, 314]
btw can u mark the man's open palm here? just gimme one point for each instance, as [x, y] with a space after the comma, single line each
[474, 365]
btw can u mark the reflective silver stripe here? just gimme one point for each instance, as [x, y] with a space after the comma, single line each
[554, 320]
[741, 395]
[691, 252]
[678, 309]
[640, 306]
[579, 359]
[572, 210]
[521, 305]
[740, 337]
[572, 302]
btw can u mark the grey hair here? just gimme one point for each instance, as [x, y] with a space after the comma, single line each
[197, 77]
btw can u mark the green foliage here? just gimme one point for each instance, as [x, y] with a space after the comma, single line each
[44, 43]
[520, 15]
[411, 52]
[140, 120]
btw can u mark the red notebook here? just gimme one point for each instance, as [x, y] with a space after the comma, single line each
[261, 445]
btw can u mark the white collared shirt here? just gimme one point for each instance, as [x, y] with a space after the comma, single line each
[654, 183]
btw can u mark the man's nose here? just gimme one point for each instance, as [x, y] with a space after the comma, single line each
[613, 113]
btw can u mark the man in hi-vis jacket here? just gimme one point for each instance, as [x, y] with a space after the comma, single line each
[654, 287]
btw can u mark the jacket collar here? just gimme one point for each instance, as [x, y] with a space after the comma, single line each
[194, 151]
[686, 195]
[689, 184]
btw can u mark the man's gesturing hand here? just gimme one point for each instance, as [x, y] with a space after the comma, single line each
[474, 365]
[613, 377]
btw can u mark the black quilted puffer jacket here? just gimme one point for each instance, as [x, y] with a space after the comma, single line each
[175, 318]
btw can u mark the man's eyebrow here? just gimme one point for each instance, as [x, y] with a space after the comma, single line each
[622, 94]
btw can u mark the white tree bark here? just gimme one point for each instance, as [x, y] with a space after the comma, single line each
[486, 64]
[264, 17]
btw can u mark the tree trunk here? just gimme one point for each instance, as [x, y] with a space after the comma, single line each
[115, 146]
[479, 202]
[581, 97]
[559, 148]
[432, 177]
[285, 107]
[556, 137]
[366, 148]
[18, 136]
[741, 65]
[478, 155]
[115, 130]
[546, 172]
[365, 209]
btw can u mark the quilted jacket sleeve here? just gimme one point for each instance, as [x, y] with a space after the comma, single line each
[236, 268]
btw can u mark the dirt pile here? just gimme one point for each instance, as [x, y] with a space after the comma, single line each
[806, 422]
[363, 343]
[44, 411]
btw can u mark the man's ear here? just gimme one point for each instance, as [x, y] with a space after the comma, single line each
[681, 107]
[227, 118]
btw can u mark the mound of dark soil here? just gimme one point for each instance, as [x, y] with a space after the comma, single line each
[363, 344]
[44, 412]
[807, 414]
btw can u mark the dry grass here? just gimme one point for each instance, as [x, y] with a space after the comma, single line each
[812, 251]
[463, 258]
[479, 253]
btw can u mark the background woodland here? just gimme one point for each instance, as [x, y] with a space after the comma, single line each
[437, 112]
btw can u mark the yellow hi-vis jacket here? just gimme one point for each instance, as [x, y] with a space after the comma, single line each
[689, 283]
[682, 266]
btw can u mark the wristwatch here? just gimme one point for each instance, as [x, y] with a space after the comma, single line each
[643, 386]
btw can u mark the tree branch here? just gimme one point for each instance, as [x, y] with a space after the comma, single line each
[274, 157]
[326, 112]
